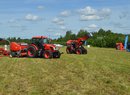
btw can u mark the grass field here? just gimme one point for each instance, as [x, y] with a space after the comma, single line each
[100, 72]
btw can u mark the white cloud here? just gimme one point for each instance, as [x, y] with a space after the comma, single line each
[40, 7]
[92, 26]
[87, 11]
[89, 17]
[31, 17]
[65, 13]
[58, 21]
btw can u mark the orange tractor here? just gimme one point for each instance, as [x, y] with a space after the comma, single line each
[41, 47]
[76, 46]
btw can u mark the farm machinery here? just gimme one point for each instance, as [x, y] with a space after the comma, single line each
[3, 50]
[76, 46]
[18, 49]
[125, 46]
[40, 47]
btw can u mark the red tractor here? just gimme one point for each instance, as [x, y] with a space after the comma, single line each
[76, 46]
[41, 47]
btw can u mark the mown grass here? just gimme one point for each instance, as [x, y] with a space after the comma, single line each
[100, 72]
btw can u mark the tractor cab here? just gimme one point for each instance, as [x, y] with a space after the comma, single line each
[40, 41]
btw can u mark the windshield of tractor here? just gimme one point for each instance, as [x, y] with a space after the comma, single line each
[41, 41]
[46, 41]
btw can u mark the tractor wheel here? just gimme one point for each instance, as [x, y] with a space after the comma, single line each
[56, 54]
[68, 51]
[78, 51]
[13, 54]
[84, 51]
[47, 54]
[31, 52]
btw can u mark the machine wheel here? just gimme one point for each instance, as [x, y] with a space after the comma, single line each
[78, 51]
[68, 50]
[13, 54]
[56, 54]
[31, 52]
[47, 54]
[84, 51]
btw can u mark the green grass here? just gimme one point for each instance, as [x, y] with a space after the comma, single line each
[100, 72]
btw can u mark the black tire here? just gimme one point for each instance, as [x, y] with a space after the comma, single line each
[13, 54]
[84, 51]
[78, 51]
[47, 54]
[68, 51]
[56, 54]
[31, 52]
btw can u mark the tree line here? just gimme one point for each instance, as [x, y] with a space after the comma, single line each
[101, 38]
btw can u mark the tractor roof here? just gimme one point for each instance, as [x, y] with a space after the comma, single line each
[39, 37]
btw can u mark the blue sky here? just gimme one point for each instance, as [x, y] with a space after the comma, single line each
[27, 18]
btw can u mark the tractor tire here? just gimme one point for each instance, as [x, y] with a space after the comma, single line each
[68, 51]
[13, 54]
[31, 52]
[84, 51]
[78, 51]
[47, 54]
[56, 54]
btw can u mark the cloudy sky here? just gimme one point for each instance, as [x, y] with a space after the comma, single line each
[27, 18]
